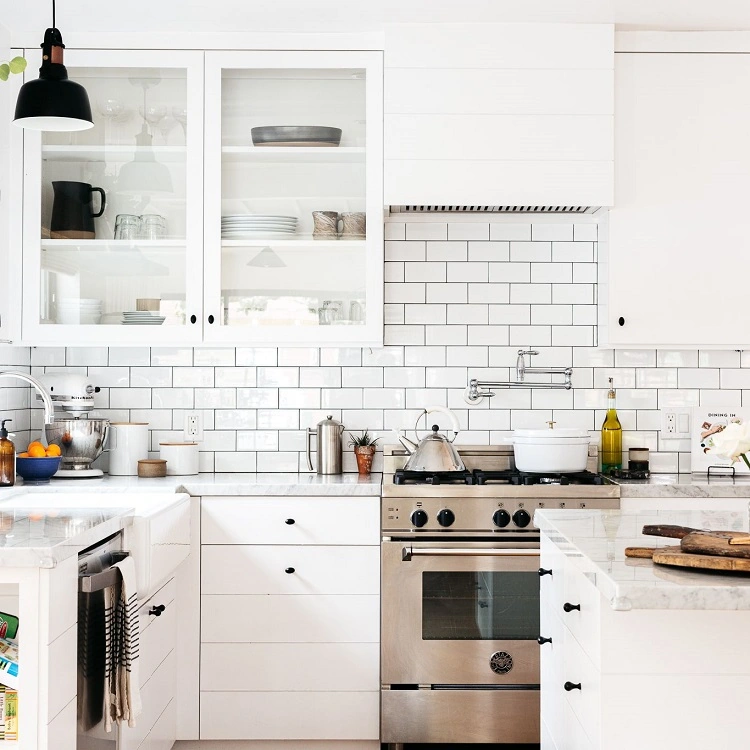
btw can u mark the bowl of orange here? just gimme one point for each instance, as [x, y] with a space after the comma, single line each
[37, 464]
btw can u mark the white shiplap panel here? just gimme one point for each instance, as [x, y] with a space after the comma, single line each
[493, 91]
[499, 137]
[499, 45]
[552, 183]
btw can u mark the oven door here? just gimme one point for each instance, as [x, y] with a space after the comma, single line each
[460, 614]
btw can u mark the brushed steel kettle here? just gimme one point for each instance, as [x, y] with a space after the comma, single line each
[329, 433]
[434, 452]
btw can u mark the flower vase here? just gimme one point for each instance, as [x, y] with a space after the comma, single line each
[364, 454]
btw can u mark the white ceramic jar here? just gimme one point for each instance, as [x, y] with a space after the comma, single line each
[127, 443]
[182, 458]
[552, 451]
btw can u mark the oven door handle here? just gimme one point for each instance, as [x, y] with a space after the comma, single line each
[409, 552]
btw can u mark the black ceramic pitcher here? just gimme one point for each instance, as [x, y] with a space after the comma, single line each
[72, 210]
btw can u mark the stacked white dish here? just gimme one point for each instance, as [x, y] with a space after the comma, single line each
[251, 226]
[141, 318]
[73, 311]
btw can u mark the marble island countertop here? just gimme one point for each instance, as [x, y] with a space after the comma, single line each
[594, 541]
[685, 486]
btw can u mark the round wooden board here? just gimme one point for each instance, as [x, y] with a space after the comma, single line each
[676, 557]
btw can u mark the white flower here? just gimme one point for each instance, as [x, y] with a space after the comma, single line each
[731, 442]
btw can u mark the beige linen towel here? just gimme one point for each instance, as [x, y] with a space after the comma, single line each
[122, 697]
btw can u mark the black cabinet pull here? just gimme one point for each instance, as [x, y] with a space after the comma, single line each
[289, 521]
[568, 607]
[544, 572]
[211, 319]
[193, 319]
[572, 686]
[289, 570]
[541, 640]
[157, 610]
[621, 321]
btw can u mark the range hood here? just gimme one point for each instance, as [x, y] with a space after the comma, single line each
[495, 209]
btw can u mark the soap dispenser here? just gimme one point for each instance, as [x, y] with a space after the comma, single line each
[7, 458]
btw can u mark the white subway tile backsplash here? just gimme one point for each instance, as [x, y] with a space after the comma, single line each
[388, 356]
[170, 357]
[298, 356]
[424, 356]
[509, 314]
[551, 399]
[510, 272]
[488, 251]
[552, 273]
[573, 252]
[423, 230]
[173, 398]
[489, 293]
[561, 315]
[434, 314]
[278, 419]
[731, 378]
[82, 356]
[468, 230]
[573, 294]
[266, 356]
[502, 231]
[652, 377]
[235, 419]
[151, 377]
[424, 271]
[489, 335]
[622, 377]
[394, 272]
[533, 252]
[277, 377]
[255, 398]
[193, 377]
[698, 377]
[362, 377]
[530, 336]
[235, 462]
[341, 398]
[348, 357]
[677, 397]
[110, 377]
[676, 358]
[635, 358]
[50, 356]
[454, 335]
[402, 335]
[384, 398]
[258, 440]
[447, 293]
[235, 377]
[320, 377]
[444, 251]
[539, 294]
[474, 272]
[466, 356]
[541, 232]
[403, 293]
[394, 230]
[214, 357]
[393, 314]
[298, 398]
[585, 232]
[584, 315]
[405, 377]
[215, 398]
[478, 314]
[718, 358]
[722, 398]
[411, 251]
[446, 377]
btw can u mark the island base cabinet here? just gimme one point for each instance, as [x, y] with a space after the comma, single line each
[306, 715]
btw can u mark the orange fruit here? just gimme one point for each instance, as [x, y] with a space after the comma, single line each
[37, 451]
[23, 455]
[35, 442]
[53, 450]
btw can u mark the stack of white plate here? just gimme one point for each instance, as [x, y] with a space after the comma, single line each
[250, 226]
[73, 311]
[141, 318]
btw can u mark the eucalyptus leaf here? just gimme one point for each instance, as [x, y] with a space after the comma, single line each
[4, 71]
[17, 65]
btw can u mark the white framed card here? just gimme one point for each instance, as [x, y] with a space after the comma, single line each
[706, 423]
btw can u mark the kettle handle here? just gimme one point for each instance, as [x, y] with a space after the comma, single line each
[310, 433]
[455, 425]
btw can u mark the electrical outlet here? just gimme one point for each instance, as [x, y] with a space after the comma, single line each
[193, 426]
[675, 422]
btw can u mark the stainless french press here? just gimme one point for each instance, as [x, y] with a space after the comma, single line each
[328, 433]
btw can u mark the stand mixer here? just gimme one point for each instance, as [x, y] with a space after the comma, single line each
[81, 440]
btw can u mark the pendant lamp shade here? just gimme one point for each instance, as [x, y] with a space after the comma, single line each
[53, 101]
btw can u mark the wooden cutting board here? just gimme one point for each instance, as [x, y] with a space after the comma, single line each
[676, 557]
[697, 541]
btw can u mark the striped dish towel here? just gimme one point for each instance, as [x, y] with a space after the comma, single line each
[122, 697]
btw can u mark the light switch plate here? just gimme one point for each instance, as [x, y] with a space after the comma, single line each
[675, 422]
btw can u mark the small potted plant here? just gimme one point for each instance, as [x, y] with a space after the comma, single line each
[364, 450]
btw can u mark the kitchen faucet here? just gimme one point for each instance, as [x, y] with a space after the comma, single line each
[49, 409]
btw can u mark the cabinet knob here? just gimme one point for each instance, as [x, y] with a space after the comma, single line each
[211, 319]
[572, 686]
[568, 607]
[289, 521]
[545, 572]
[541, 640]
[621, 321]
[157, 610]
[289, 570]
[193, 319]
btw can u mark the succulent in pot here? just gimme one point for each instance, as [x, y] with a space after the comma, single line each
[364, 450]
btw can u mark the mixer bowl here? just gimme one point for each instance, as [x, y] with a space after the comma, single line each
[81, 441]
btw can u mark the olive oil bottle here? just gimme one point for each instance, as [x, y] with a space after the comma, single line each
[611, 435]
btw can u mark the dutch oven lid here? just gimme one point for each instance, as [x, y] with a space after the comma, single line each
[552, 432]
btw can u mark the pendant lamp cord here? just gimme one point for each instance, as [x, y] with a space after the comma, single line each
[53, 15]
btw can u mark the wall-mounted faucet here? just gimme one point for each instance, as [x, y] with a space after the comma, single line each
[474, 392]
[49, 408]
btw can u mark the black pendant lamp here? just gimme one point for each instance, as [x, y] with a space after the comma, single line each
[52, 101]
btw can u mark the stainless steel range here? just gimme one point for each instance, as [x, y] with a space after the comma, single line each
[460, 603]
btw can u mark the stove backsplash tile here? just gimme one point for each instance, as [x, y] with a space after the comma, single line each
[463, 294]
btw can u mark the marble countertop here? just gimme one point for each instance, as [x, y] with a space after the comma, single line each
[685, 485]
[221, 484]
[594, 542]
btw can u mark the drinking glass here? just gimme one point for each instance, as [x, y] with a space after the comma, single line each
[127, 227]
[153, 227]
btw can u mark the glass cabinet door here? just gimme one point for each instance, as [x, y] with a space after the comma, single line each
[293, 224]
[113, 222]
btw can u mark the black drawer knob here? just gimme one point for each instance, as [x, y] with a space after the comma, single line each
[544, 572]
[193, 319]
[289, 570]
[572, 686]
[621, 321]
[211, 319]
[568, 607]
[289, 521]
[157, 610]
[542, 640]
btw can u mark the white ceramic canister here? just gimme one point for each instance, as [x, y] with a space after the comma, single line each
[127, 444]
[182, 458]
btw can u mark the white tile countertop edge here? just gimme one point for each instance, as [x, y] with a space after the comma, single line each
[594, 542]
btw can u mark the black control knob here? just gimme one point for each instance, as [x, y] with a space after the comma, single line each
[542, 640]
[568, 607]
[418, 518]
[289, 570]
[157, 610]
[521, 518]
[572, 686]
[446, 517]
[501, 518]
[289, 521]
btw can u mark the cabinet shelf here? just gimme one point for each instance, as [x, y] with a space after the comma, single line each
[298, 154]
[112, 153]
[300, 242]
[113, 245]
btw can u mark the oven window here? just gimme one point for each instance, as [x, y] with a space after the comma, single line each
[480, 606]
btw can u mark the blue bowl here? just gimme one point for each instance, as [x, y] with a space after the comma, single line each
[37, 470]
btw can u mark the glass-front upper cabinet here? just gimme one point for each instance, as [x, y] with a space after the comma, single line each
[113, 219]
[293, 198]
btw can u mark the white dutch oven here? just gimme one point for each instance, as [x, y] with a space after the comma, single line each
[551, 450]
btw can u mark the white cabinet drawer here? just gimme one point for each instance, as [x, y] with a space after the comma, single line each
[584, 623]
[290, 666]
[574, 737]
[551, 585]
[290, 716]
[314, 520]
[163, 733]
[290, 619]
[551, 659]
[261, 569]
[586, 702]
[157, 632]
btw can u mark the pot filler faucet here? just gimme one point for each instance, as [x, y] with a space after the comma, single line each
[49, 409]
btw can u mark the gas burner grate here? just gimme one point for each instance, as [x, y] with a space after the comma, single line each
[512, 476]
[402, 476]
